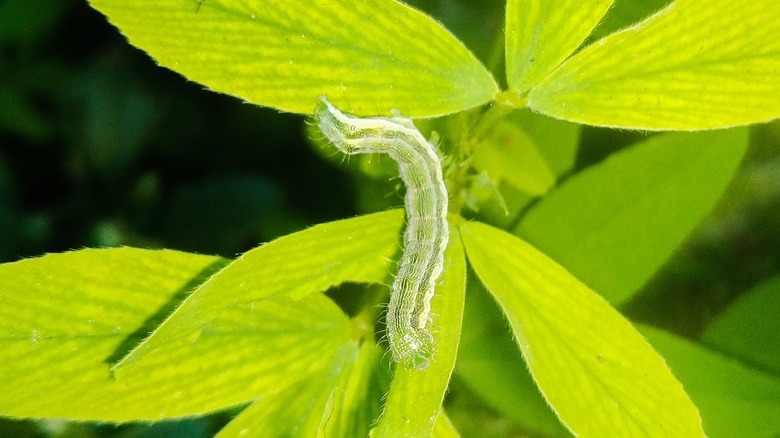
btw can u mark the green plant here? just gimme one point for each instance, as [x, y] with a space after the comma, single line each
[257, 328]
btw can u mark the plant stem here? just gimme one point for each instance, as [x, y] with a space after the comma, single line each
[505, 102]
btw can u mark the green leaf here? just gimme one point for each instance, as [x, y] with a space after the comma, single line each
[596, 371]
[415, 397]
[625, 13]
[557, 140]
[66, 317]
[697, 64]
[488, 361]
[299, 410]
[443, 427]
[357, 405]
[367, 57]
[313, 260]
[251, 334]
[508, 154]
[735, 400]
[749, 328]
[248, 350]
[614, 224]
[540, 34]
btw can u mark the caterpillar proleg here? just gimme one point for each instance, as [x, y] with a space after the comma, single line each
[425, 239]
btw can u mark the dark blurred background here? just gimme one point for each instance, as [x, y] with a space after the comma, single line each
[100, 147]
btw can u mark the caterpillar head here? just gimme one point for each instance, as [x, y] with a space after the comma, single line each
[337, 127]
[413, 349]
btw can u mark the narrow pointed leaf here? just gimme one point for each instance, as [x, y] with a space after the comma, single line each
[313, 260]
[357, 404]
[367, 57]
[66, 317]
[735, 400]
[613, 225]
[250, 350]
[300, 410]
[415, 397]
[596, 371]
[488, 360]
[697, 64]
[540, 34]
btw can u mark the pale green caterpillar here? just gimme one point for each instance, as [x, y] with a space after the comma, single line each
[426, 234]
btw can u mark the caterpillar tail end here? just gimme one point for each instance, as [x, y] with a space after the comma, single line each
[413, 349]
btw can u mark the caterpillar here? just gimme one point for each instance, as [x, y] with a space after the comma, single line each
[426, 235]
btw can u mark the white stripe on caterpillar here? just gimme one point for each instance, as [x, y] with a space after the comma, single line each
[426, 233]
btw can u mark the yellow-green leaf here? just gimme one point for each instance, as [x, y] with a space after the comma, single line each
[367, 56]
[66, 318]
[697, 64]
[300, 410]
[357, 404]
[540, 34]
[596, 371]
[488, 361]
[444, 427]
[626, 13]
[415, 398]
[555, 140]
[326, 255]
[508, 154]
[249, 350]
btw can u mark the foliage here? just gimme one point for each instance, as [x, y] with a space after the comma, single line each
[255, 337]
